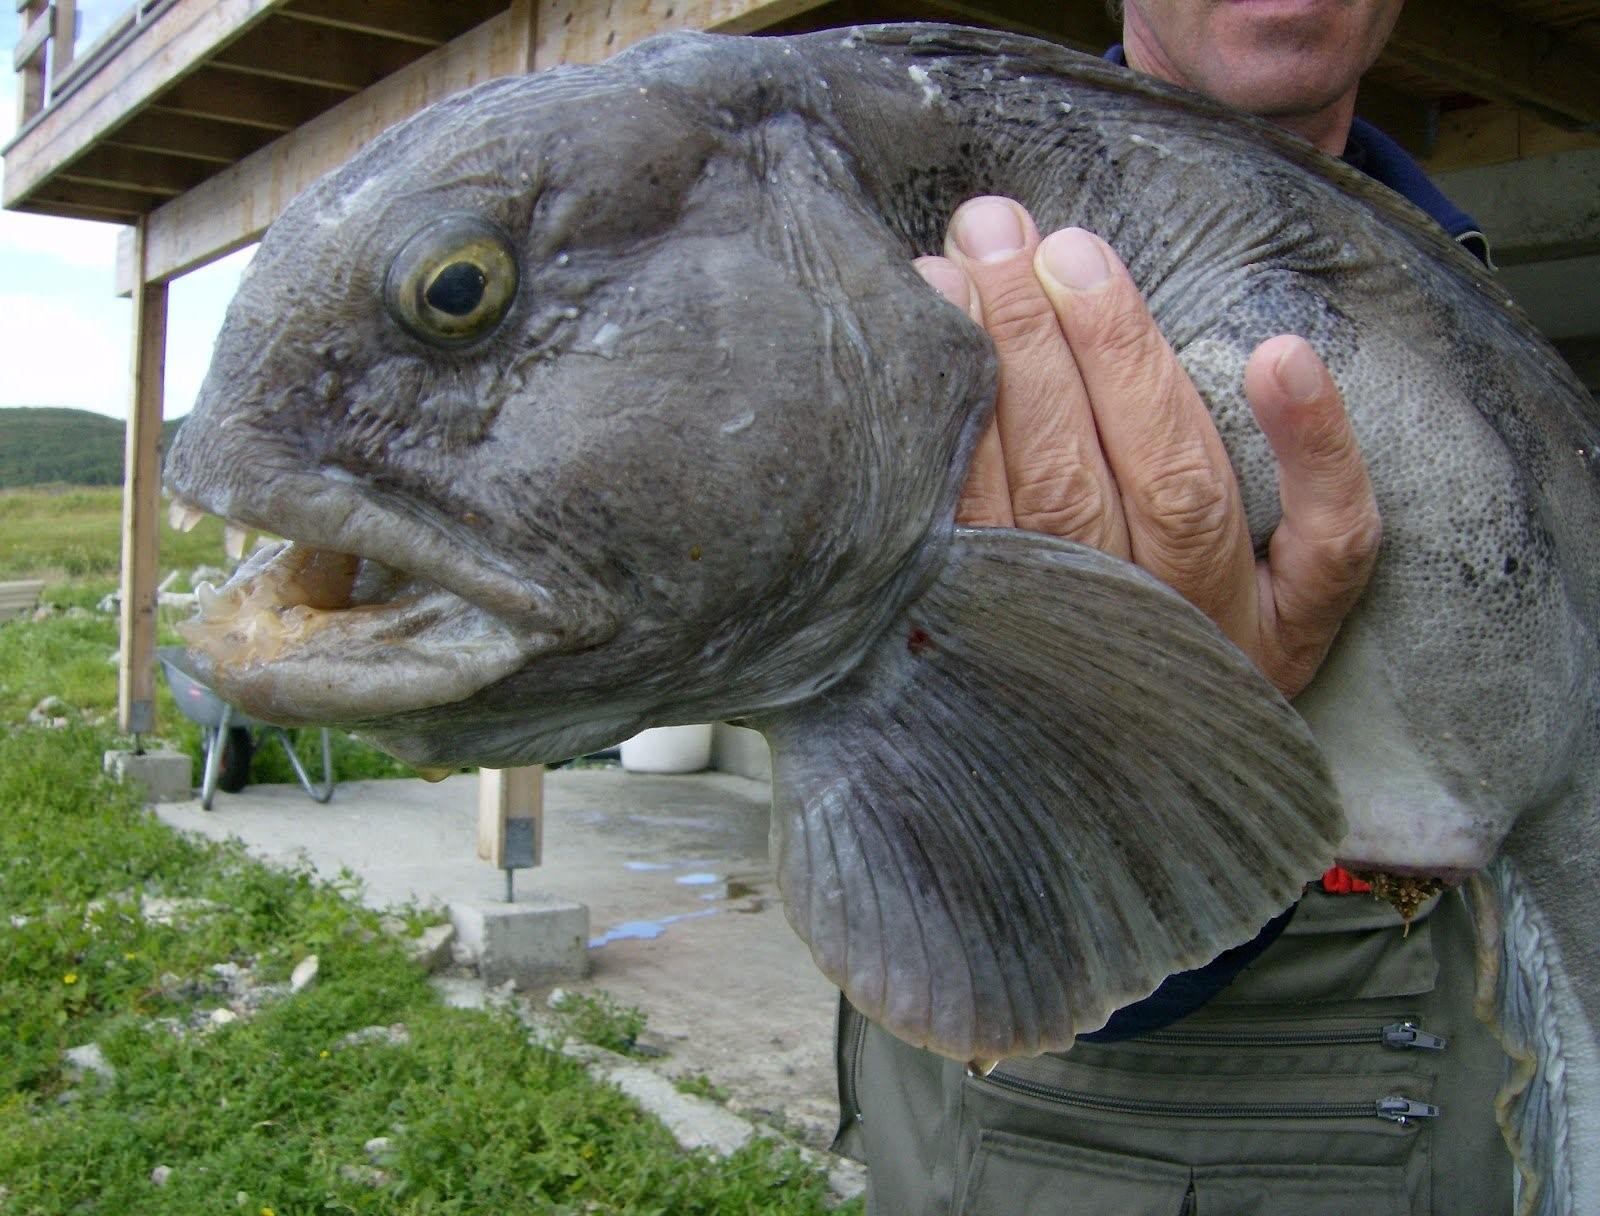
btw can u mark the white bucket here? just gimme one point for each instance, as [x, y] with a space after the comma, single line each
[668, 749]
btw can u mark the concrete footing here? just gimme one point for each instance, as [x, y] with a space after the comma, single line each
[536, 941]
[164, 776]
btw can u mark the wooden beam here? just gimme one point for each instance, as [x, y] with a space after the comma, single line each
[46, 204]
[125, 168]
[249, 101]
[31, 43]
[63, 38]
[30, 73]
[582, 31]
[111, 199]
[234, 207]
[427, 24]
[331, 58]
[141, 504]
[201, 139]
[1480, 49]
[1495, 133]
[163, 51]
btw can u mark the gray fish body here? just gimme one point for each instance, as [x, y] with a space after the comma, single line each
[703, 466]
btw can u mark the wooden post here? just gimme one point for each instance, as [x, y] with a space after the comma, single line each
[511, 816]
[524, 18]
[141, 501]
[28, 57]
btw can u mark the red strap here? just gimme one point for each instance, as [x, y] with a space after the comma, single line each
[1339, 881]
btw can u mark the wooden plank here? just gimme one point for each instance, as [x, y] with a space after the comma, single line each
[62, 37]
[32, 41]
[141, 503]
[1480, 49]
[164, 50]
[186, 135]
[511, 800]
[585, 31]
[331, 58]
[250, 101]
[125, 168]
[110, 199]
[427, 24]
[30, 77]
[234, 207]
[1478, 135]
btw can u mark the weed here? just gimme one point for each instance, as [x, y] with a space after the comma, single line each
[599, 1018]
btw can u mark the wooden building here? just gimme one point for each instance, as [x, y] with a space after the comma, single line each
[195, 122]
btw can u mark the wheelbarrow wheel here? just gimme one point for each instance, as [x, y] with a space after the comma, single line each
[237, 749]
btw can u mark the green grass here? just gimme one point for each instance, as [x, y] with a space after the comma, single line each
[482, 1120]
[271, 1108]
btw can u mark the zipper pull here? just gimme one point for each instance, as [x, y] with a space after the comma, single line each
[1409, 1034]
[1403, 1110]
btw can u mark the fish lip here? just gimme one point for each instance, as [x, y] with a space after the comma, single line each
[330, 511]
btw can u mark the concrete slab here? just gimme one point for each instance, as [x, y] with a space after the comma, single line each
[685, 920]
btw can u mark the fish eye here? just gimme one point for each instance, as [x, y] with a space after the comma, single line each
[452, 282]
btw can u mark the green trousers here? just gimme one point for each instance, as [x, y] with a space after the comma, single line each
[1342, 1074]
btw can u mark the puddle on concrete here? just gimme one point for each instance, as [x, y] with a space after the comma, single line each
[645, 930]
[701, 879]
[645, 867]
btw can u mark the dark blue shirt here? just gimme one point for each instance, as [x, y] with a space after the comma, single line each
[1380, 158]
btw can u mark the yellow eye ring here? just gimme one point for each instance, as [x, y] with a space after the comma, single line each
[452, 282]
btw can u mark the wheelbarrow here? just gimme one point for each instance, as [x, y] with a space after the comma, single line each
[232, 736]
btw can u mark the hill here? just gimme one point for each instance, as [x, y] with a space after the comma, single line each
[77, 447]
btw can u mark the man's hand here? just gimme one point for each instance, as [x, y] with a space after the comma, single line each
[1101, 438]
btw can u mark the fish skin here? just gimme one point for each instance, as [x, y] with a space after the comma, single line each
[762, 199]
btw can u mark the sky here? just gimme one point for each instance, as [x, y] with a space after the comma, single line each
[64, 337]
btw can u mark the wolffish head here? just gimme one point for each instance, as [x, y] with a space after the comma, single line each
[585, 400]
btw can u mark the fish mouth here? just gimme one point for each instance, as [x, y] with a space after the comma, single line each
[367, 610]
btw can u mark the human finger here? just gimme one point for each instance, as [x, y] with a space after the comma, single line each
[1180, 499]
[1322, 553]
[1057, 478]
[985, 497]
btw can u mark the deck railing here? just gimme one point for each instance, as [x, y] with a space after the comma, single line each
[48, 59]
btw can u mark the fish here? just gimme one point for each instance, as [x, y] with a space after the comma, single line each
[606, 397]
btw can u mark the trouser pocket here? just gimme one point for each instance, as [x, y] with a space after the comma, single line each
[1080, 1138]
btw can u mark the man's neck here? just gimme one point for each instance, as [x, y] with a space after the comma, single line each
[1328, 128]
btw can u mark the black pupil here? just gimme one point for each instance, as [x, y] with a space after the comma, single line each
[457, 289]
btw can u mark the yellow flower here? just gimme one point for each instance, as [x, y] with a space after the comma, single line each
[70, 977]
[586, 1151]
[268, 1212]
[130, 955]
[323, 1054]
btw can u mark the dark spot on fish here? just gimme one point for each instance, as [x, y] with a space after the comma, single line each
[1511, 565]
[694, 553]
[918, 640]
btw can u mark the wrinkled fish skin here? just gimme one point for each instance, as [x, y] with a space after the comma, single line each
[705, 463]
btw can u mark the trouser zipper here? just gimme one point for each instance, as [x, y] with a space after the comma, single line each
[1398, 1036]
[1391, 1107]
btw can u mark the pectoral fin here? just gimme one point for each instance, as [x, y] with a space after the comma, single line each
[1050, 785]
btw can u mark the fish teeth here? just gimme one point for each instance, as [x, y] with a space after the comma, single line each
[234, 537]
[209, 599]
[183, 516]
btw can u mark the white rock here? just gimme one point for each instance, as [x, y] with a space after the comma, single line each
[432, 949]
[394, 1036]
[377, 1147]
[160, 1174]
[81, 1062]
[364, 1175]
[304, 972]
[221, 1017]
[162, 911]
[557, 998]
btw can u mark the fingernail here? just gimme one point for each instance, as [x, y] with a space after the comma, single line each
[988, 230]
[945, 278]
[1299, 372]
[1075, 259]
